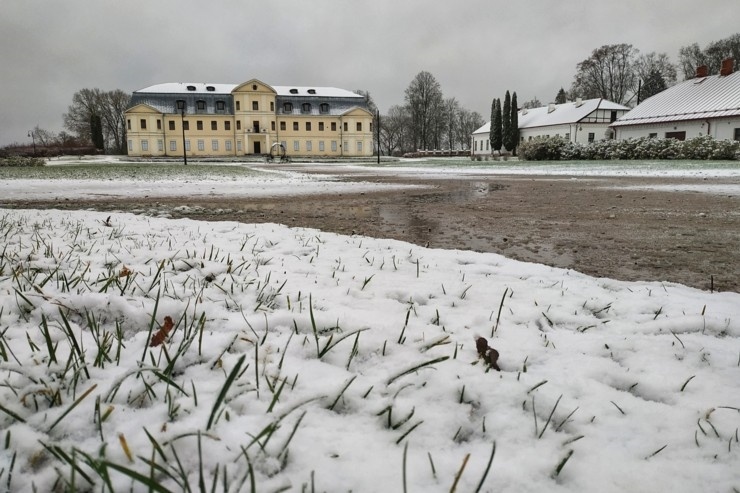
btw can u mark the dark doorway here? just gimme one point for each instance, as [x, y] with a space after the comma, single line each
[257, 148]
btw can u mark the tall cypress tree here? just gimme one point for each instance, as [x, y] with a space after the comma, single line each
[514, 124]
[491, 133]
[496, 127]
[506, 122]
[96, 132]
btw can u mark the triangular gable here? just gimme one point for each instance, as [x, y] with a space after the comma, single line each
[357, 111]
[248, 87]
[143, 108]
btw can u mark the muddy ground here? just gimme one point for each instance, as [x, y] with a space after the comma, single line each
[593, 225]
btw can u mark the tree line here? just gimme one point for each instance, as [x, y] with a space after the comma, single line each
[621, 74]
[427, 119]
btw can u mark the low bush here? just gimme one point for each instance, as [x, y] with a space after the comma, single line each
[21, 161]
[555, 148]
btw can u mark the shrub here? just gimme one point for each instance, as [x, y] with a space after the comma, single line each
[555, 148]
[21, 161]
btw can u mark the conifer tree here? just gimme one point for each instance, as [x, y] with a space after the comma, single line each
[514, 124]
[561, 97]
[496, 127]
[506, 122]
[96, 132]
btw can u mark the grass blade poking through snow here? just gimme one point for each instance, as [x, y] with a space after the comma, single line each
[224, 390]
[488, 468]
[416, 367]
[72, 406]
[495, 327]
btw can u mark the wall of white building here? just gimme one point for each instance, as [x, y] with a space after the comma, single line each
[718, 128]
[574, 132]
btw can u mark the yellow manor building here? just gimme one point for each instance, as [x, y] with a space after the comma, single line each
[253, 118]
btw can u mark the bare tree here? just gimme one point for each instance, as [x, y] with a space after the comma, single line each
[395, 131]
[468, 122]
[451, 112]
[532, 103]
[652, 62]
[424, 99]
[112, 108]
[89, 105]
[690, 57]
[608, 73]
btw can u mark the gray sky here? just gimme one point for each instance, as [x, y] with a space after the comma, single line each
[476, 49]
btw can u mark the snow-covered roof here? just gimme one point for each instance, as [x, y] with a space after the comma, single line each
[714, 96]
[207, 88]
[561, 114]
[324, 92]
[188, 87]
[565, 113]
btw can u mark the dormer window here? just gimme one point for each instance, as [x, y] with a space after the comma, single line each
[220, 105]
[210, 88]
[287, 107]
[306, 108]
[200, 105]
[324, 108]
[180, 105]
[191, 88]
[294, 91]
[312, 91]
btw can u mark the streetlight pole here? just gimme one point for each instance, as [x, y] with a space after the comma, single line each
[181, 106]
[33, 138]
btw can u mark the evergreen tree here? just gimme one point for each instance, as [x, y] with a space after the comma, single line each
[96, 132]
[491, 133]
[653, 84]
[561, 97]
[496, 127]
[506, 122]
[514, 124]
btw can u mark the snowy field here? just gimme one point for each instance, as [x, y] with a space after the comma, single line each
[149, 354]
[112, 177]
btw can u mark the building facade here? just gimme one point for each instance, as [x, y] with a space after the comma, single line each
[704, 105]
[252, 118]
[579, 121]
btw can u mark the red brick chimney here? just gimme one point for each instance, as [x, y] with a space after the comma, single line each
[728, 65]
[702, 71]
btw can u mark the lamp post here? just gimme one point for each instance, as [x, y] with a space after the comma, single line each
[33, 138]
[181, 107]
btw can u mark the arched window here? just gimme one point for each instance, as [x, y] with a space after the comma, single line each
[324, 108]
[306, 108]
[287, 107]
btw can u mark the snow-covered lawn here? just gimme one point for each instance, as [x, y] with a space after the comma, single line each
[298, 360]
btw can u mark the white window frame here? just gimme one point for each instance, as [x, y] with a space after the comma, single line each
[173, 145]
[201, 145]
[214, 145]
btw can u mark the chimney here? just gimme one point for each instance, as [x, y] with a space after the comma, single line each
[550, 107]
[579, 102]
[702, 71]
[728, 64]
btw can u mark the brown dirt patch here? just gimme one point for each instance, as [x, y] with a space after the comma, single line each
[591, 225]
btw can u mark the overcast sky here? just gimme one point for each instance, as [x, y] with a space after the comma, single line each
[476, 49]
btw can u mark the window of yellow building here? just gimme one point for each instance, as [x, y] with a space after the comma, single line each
[199, 124]
[227, 125]
[321, 126]
[295, 126]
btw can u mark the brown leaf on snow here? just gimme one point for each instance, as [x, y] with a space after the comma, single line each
[159, 337]
[125, 272]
